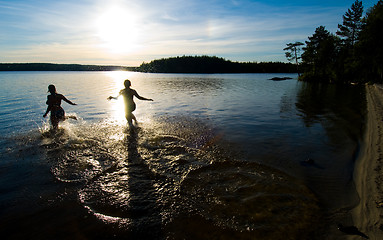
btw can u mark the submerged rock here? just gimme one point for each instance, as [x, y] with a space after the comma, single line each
[280, 78]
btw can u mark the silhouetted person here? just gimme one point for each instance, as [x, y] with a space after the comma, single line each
[130, 106]
[54, 106]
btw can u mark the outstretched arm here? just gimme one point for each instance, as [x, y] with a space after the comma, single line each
[142, 98]
[68, 101]
[111, 97]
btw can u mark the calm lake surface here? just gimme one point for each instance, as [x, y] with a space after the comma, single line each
[215, 156]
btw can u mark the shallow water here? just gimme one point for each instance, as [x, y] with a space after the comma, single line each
[219, 156]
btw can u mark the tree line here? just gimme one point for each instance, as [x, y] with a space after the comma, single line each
[353, 54]
[58, 67]
[212, 64]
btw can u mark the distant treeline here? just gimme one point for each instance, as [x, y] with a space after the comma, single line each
[212, 64]
[58, 67]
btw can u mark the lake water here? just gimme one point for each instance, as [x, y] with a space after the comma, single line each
[215, 156]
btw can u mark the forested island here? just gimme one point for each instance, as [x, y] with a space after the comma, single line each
[353, 55]
[59, 67]
[212, 64]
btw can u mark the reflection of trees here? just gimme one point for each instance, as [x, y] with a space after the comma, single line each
[340, 109]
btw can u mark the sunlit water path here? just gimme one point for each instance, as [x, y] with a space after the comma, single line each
[218, 156]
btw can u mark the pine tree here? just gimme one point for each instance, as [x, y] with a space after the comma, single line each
[293, 52]
[320, 55]
[352, 24]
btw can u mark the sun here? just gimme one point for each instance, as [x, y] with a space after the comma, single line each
[118, 30]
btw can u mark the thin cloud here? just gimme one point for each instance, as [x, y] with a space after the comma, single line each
[66, 31]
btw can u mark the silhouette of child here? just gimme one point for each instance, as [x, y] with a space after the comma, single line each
[130, 106]
[54, 106]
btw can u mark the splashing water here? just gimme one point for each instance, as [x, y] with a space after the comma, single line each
[171, 176]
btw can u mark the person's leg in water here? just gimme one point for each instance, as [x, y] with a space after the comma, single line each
[130, 110]
[134, 118]
[71, 117]
[57, 115]
[55, 123]
[55, 120]
[129, 117]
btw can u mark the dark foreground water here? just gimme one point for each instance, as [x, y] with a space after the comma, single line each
[214, 157]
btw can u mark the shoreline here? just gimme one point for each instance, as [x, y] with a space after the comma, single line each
[368, 169]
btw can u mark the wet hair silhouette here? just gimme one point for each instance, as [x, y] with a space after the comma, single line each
[52, 88]
[127, 83]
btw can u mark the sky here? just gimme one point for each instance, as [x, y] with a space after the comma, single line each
[130, 32]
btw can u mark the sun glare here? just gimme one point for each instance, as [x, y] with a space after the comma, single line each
[118, 30]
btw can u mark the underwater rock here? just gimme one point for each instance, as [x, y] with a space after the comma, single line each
[280, 78]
